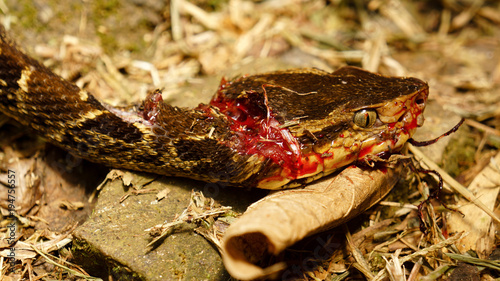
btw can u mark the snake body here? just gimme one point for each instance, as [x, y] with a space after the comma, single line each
[273, 130]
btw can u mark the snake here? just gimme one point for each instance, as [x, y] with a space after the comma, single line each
[274, 130]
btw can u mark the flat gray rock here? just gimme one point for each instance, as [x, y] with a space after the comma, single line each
[113, 241]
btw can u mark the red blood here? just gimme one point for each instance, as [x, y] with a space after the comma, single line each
[151, 106]
[257, 131]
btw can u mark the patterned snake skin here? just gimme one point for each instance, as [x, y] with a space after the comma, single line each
[273, 130]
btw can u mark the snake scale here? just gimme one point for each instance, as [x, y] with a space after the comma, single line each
[274, 130]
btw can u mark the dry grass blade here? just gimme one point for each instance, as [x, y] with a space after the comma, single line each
[175, 20]
[211, 237]
[397, 12]
[210, 21]
[422, 253]
[49, 258]
[493, 264]
[196, 210]
[482, 127]
[466, 15]
[415, 269]
[362, 265]
[436, 274]
[394, 268]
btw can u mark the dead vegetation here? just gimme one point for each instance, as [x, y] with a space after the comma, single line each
[452, 44]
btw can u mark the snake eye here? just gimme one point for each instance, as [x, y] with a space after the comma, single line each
[365, 118]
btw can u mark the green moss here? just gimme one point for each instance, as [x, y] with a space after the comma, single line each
[26, 12]
[105, 8]
[459, 153]
[210, 5]
[103, 13]
[96, 264]
[108, 42]
[377, 262]
[62, 14]
[87, 256]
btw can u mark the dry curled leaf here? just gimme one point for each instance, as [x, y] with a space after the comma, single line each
[285, 217]
[472, 219]
[162, 194]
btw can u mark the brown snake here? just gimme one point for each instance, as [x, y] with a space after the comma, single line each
[273, 130]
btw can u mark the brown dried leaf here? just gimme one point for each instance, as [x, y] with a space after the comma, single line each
[26, 181]
[111, 176]
[24, 250]
[127, 178]
[70, 205]
[285, 217]
[162, 194]
[486, 187]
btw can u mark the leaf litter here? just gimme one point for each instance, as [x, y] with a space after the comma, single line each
[453, 45]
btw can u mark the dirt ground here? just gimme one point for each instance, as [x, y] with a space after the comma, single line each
[121, 50]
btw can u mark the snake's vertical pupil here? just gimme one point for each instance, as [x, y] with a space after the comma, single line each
[365, 118]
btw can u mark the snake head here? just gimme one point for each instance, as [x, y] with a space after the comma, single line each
[308, 123]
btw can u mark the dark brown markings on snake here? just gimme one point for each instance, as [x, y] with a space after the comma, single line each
[113, 126]
[200, 151]
[10, 75]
